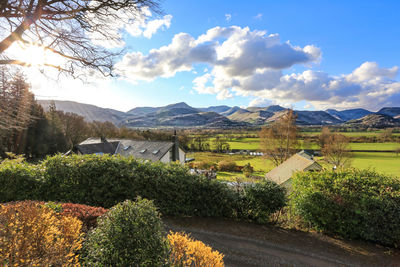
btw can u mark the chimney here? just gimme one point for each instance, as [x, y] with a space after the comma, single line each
[103, 139]
[175, 147]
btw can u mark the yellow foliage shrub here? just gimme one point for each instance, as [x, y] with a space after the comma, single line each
[188, 252]
[32, 234]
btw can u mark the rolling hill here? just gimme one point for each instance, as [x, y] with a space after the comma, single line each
[183, 115]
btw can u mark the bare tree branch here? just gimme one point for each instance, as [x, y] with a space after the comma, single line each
[68, 28]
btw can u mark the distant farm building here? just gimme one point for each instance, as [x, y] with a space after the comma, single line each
[301, 161]
[163, 151]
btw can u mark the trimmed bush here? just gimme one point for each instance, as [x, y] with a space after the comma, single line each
[226, 166]
[188, 252]
[130, 234]
[19, 181]
[353, 203]
[263, 199]
[107, 180]
[32, 234]
[104, 181]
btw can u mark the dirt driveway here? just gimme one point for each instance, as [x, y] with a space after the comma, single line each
[246, 244]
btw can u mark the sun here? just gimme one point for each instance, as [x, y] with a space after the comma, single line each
[33, 55]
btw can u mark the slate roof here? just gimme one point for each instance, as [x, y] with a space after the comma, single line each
[148, 150]
[97, 148]
[298, 162]
[151, 150]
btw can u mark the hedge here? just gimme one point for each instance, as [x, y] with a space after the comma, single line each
[359, 204]
[107, 180]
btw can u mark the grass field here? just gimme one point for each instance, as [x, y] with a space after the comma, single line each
[351, 134]
[386, 163]
[254, 144]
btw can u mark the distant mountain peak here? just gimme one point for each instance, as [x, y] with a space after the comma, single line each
[182, 115]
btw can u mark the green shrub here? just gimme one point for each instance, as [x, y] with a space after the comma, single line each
[104, 181]
[129, 234]
[263, 199]
[205, 165]
[226, 166]
[19, 181]
[247, 170]
[352, 203]
[107, 180]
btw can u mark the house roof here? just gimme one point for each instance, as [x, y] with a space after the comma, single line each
[297, 162]
[148, 150]
[100, 147]
[151, 150]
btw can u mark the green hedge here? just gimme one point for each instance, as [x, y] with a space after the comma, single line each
[19, 181]
[353, 204]
[107, 180]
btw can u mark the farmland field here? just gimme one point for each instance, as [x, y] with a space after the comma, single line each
[386, 163]
[254, 144]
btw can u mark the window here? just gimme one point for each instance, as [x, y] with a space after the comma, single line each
[156, 151]
[142, 151]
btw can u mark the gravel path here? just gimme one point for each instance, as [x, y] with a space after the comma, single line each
[245, 244]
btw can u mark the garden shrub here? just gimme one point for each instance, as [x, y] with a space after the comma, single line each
[104, 181]
[129, 234]
[19, 181]
[107, 180]
[262, 199]
[86, 214]
[359, 204]
[226, 166]
[188, 252]
[32, 234]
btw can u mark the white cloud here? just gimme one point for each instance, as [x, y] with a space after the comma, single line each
[148, 28]
[258, 16]
[228, 17]
[261, 102]
[368, 86]
[243, 62]
[140, 25]
[231, 51]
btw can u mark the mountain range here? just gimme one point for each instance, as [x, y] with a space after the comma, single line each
[183, 115]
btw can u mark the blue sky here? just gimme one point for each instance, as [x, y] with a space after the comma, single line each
[341, 54]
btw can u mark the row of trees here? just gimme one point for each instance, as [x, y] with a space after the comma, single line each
[280, 141]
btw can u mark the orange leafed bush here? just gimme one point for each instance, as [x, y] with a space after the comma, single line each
[87, 214]
[32, 234]
[188, 252]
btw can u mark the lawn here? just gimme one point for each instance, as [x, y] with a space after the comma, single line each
[387, 163]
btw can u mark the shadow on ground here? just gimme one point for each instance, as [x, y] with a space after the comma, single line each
[247, 244]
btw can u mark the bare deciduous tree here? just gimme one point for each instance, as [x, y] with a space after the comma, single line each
[336, 150]
[386, 135]
[324, 136]
[280, 140]
[67, 27]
